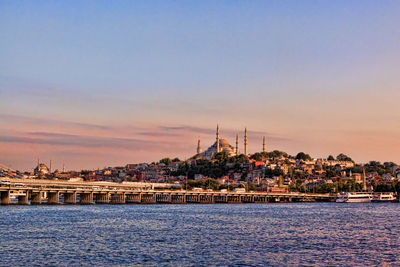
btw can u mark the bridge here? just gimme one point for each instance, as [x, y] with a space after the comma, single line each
[38, 192]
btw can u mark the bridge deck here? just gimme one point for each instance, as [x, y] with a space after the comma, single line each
[62, 192]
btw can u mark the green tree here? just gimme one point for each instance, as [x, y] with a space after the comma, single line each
[166, 161]
[257, 156]
[276, 154]
[343, 157]
[303, 156]
[222, 156]
[237, 159]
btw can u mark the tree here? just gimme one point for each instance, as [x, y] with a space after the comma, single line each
[176, 160]
[166, 161]
[237, 159]
[208, 183]
[303, 156]
[389, 167]
[221, 156]
[384, 188]
[330, 157]
[257, 156]
[268, 173]
[85, 172]
[211, 184]
[375, 166]
[251, 187]
[343, 157]
[276, 154]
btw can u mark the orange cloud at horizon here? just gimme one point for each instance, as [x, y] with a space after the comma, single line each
[85, 146]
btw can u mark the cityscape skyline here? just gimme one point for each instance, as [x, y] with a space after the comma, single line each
[199, 133]
[124, 144]
[116, 83]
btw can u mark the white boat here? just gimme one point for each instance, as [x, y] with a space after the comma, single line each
[383, 197]
[354, 198]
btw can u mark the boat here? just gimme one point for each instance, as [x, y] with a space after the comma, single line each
[354, 198]
[383, 197]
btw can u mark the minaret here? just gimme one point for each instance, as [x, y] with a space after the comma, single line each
[364, 180]
[237, 145]
[217, 138]
[38, 166]
[263, 150]
[198, 147]
[245, 141]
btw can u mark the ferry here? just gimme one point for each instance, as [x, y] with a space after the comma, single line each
[354, 198]
[383, 197]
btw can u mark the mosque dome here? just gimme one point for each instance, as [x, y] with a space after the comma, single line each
[222, 145]
[41, 169]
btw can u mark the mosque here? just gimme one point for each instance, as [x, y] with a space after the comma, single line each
[222, 145]
[41, 169]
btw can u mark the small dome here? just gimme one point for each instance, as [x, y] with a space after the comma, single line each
[223, 142]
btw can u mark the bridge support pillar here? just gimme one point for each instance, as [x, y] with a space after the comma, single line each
[132, 198]
[118, 198]
[36, 198]
[70, 198]
[53, 198]
[102, 198]
[86, 198]
[23, 200]
[5, 198]
[148, 198]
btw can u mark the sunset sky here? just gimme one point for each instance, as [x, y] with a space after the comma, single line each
[106, 83]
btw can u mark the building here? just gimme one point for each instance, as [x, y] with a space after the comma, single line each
[220, 145]
[41, 169]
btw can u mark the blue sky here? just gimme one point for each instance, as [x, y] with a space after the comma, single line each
[317, 73]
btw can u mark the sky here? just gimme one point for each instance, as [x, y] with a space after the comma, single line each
[105, 83]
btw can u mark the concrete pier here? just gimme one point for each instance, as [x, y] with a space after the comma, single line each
[102, 198]
[86, 198]
[36, 198]
[234, 199]
[23, 200]
[117, 198]
[53, 198]
[5, 198]
[70, 198]
[133, 198]
[178, 199]
[148, 198]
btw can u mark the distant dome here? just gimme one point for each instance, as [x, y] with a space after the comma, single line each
[41, 169]
[224, 146]
[223, 142]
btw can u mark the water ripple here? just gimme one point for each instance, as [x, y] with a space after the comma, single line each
[199, 235]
